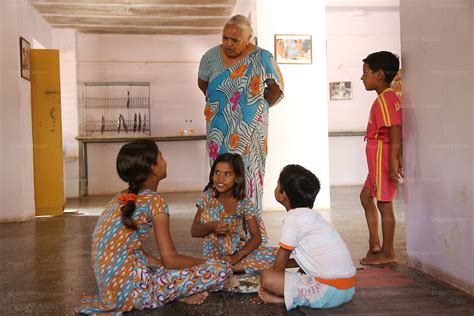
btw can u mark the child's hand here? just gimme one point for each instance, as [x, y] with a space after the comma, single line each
[400, 162]
[220, 228]
[233, 259]
[396, 170]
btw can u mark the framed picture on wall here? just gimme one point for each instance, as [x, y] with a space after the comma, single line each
[25, 58]
[293, 49]
[341, 90]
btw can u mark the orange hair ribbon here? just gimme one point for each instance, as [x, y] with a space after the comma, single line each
[126, 197]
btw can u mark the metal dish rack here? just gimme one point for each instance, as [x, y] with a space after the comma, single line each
[115, 109]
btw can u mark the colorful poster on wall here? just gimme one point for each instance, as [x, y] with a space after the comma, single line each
[293, 49]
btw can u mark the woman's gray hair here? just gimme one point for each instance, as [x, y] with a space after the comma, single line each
[243, 23]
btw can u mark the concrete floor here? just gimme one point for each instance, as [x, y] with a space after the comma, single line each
[46, 265]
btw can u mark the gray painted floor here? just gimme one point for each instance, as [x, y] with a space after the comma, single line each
[46, 265]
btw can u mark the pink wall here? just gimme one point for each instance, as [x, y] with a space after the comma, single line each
[438, 137]
[16, 155]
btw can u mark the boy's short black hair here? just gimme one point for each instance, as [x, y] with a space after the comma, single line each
[386, 61]
[300, 185]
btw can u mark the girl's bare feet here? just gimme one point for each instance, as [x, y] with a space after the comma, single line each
[268, 297]
[195, 299]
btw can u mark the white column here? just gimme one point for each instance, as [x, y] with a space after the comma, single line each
[298, 132]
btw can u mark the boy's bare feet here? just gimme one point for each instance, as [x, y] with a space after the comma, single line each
[257, 300]
[374, 247]
[378, 258]
[268, 297]
[371, 253]
[195, 299]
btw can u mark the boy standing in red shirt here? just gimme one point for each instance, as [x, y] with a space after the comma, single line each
[384, 155]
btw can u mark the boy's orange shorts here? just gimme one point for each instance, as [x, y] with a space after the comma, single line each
[378, 180]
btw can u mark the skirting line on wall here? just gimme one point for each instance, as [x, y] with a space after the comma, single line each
[346, 133]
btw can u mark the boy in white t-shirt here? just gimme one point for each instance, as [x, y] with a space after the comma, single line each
[328, 278]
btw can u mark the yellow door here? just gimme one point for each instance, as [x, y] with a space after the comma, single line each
[47, 137]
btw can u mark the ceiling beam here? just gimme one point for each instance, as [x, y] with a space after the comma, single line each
[132, 10]
[120, 29]
[135, 2]
[137, 21]
[175, 17]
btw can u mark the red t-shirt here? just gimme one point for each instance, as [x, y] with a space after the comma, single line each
[386, 111]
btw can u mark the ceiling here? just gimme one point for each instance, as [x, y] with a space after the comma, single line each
[169, 17]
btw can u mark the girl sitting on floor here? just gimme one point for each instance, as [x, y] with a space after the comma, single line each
[227, 222]
[127, 277]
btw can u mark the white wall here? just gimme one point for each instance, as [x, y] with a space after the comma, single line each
[362, 3]
[16, 158]
[170, 64]
[352, 34]
[347, 162]
[65, 41]
[143, 58]
[355, 29]
[298, 125]
[247, 8]
[438, 137]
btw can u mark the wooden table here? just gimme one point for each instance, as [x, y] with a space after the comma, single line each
[83, 141]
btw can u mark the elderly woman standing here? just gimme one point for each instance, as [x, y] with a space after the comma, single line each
[241, 82]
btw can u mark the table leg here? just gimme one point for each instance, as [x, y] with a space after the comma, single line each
[83, 176]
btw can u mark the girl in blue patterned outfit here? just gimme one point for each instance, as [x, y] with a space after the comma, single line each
[227, 220]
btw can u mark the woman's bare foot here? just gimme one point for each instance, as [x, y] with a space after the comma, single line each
[378, 258]
[195, 299]
[268, 297]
